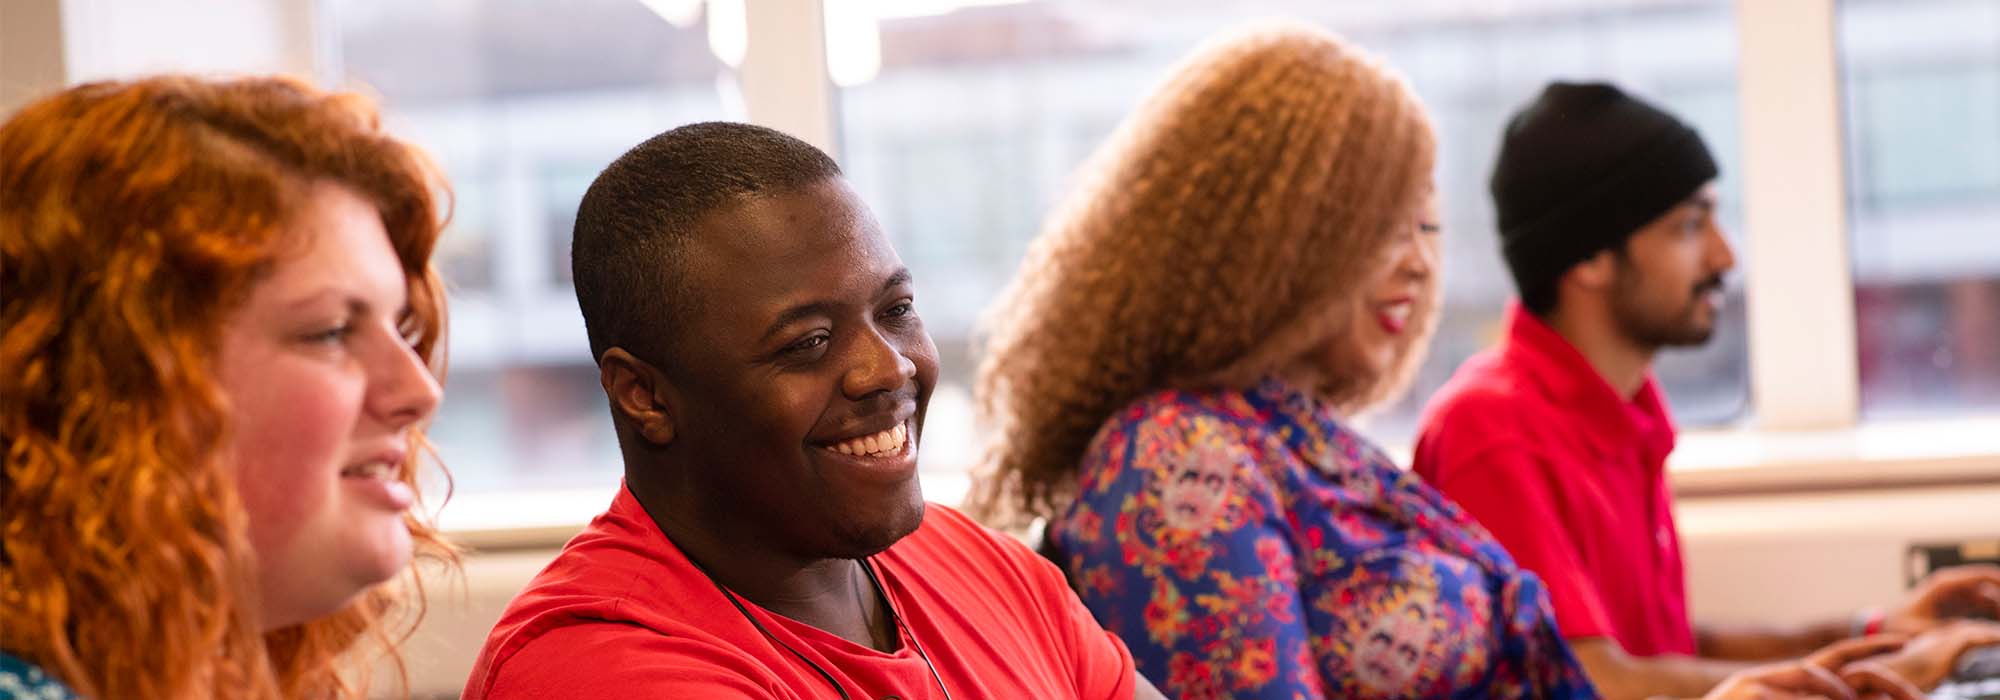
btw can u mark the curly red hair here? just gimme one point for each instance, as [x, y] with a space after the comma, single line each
[1212, 242]
[137, 216]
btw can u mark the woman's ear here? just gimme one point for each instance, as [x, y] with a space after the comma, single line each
[639, 395]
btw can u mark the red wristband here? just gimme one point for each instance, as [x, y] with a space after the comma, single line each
[1872, 621]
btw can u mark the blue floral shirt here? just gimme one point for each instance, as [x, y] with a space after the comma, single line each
[20, 680]
[1249, 545]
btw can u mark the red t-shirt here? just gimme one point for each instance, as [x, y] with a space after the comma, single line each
[622, 613]
[1570, 477]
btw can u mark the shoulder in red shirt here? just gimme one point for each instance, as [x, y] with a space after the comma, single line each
[1570, 478]
[622, 613]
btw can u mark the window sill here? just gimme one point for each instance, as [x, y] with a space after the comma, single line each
[1889, 454]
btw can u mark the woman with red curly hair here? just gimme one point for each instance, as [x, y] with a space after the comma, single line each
[1252, 260]
[221, 339]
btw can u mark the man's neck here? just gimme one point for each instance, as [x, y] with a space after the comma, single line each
[1621, 362]
[833, 595]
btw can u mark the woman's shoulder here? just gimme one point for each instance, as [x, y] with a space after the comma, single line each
[1182, 408]
[22, 680]
[1171, 422]
[1182, 438]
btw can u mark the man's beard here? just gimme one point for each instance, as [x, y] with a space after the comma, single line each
[1683, 327]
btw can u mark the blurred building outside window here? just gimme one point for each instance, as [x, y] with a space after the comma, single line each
[1921, 86]
[961, 122]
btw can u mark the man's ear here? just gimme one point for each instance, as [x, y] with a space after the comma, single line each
[639, 394]
[1594, 273]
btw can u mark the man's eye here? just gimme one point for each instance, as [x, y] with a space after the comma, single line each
[808, 343]
[900, 310]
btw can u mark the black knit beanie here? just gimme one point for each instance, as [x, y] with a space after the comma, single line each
[1580, 169]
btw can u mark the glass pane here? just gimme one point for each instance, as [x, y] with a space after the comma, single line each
[966, 128]
[522, 107]
[1921, 82]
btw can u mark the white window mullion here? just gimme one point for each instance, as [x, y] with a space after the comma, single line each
[31, 51]
[784, 78]
[1799, 278]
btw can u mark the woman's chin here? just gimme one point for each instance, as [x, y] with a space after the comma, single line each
[384, 555]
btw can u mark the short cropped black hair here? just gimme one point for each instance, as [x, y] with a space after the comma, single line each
[627, 248]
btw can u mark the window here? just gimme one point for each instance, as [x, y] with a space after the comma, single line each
[522, 106]
[961, 122]
[967, 129]
[1921, 86]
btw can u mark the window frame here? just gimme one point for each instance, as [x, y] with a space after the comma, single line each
[1805, 432]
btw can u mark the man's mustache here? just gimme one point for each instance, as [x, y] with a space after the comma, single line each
[1712, 284]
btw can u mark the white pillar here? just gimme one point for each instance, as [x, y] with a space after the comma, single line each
[784, 79]
[1799, 278]
[31, 51]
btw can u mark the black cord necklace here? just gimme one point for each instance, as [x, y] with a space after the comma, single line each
[897, 617]
[880, 590]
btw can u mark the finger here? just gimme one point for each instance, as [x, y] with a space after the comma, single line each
[1972, 596]
[1818, 680]
[1961, 635]
[1966, 575]
[1846, 651]
[1988, 598]
[1872, 677]
[1982, 634]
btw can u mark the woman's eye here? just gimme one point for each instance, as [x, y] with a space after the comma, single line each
[410, 330]
[329, 336]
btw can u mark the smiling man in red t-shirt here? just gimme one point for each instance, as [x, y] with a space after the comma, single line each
[768, 373]
[1557, 440]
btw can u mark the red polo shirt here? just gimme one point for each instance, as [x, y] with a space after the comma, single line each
[621, 613]
[1570, 477]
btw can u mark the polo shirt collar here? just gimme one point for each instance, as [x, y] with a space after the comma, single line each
[1569, 380]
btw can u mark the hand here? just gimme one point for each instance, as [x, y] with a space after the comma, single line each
[1858, 662]
[1959, 591]
[1813, 676]
[1925, 661]
[1791, 680]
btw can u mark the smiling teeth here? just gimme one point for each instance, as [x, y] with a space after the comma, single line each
[1400, 312]
[371, 470]
[881, 444]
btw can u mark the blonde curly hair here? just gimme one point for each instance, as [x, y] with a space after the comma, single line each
[1214, 240]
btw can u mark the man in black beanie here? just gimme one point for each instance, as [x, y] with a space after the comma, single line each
[1557, 439]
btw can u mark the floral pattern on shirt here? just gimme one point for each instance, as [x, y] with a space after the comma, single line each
[20, 680]
[1246, 544]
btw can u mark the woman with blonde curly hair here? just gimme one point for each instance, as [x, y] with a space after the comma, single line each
[221, 337]
[1253, 259]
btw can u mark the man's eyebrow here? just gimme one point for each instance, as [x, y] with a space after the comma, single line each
[900, 277]
[794, 314]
